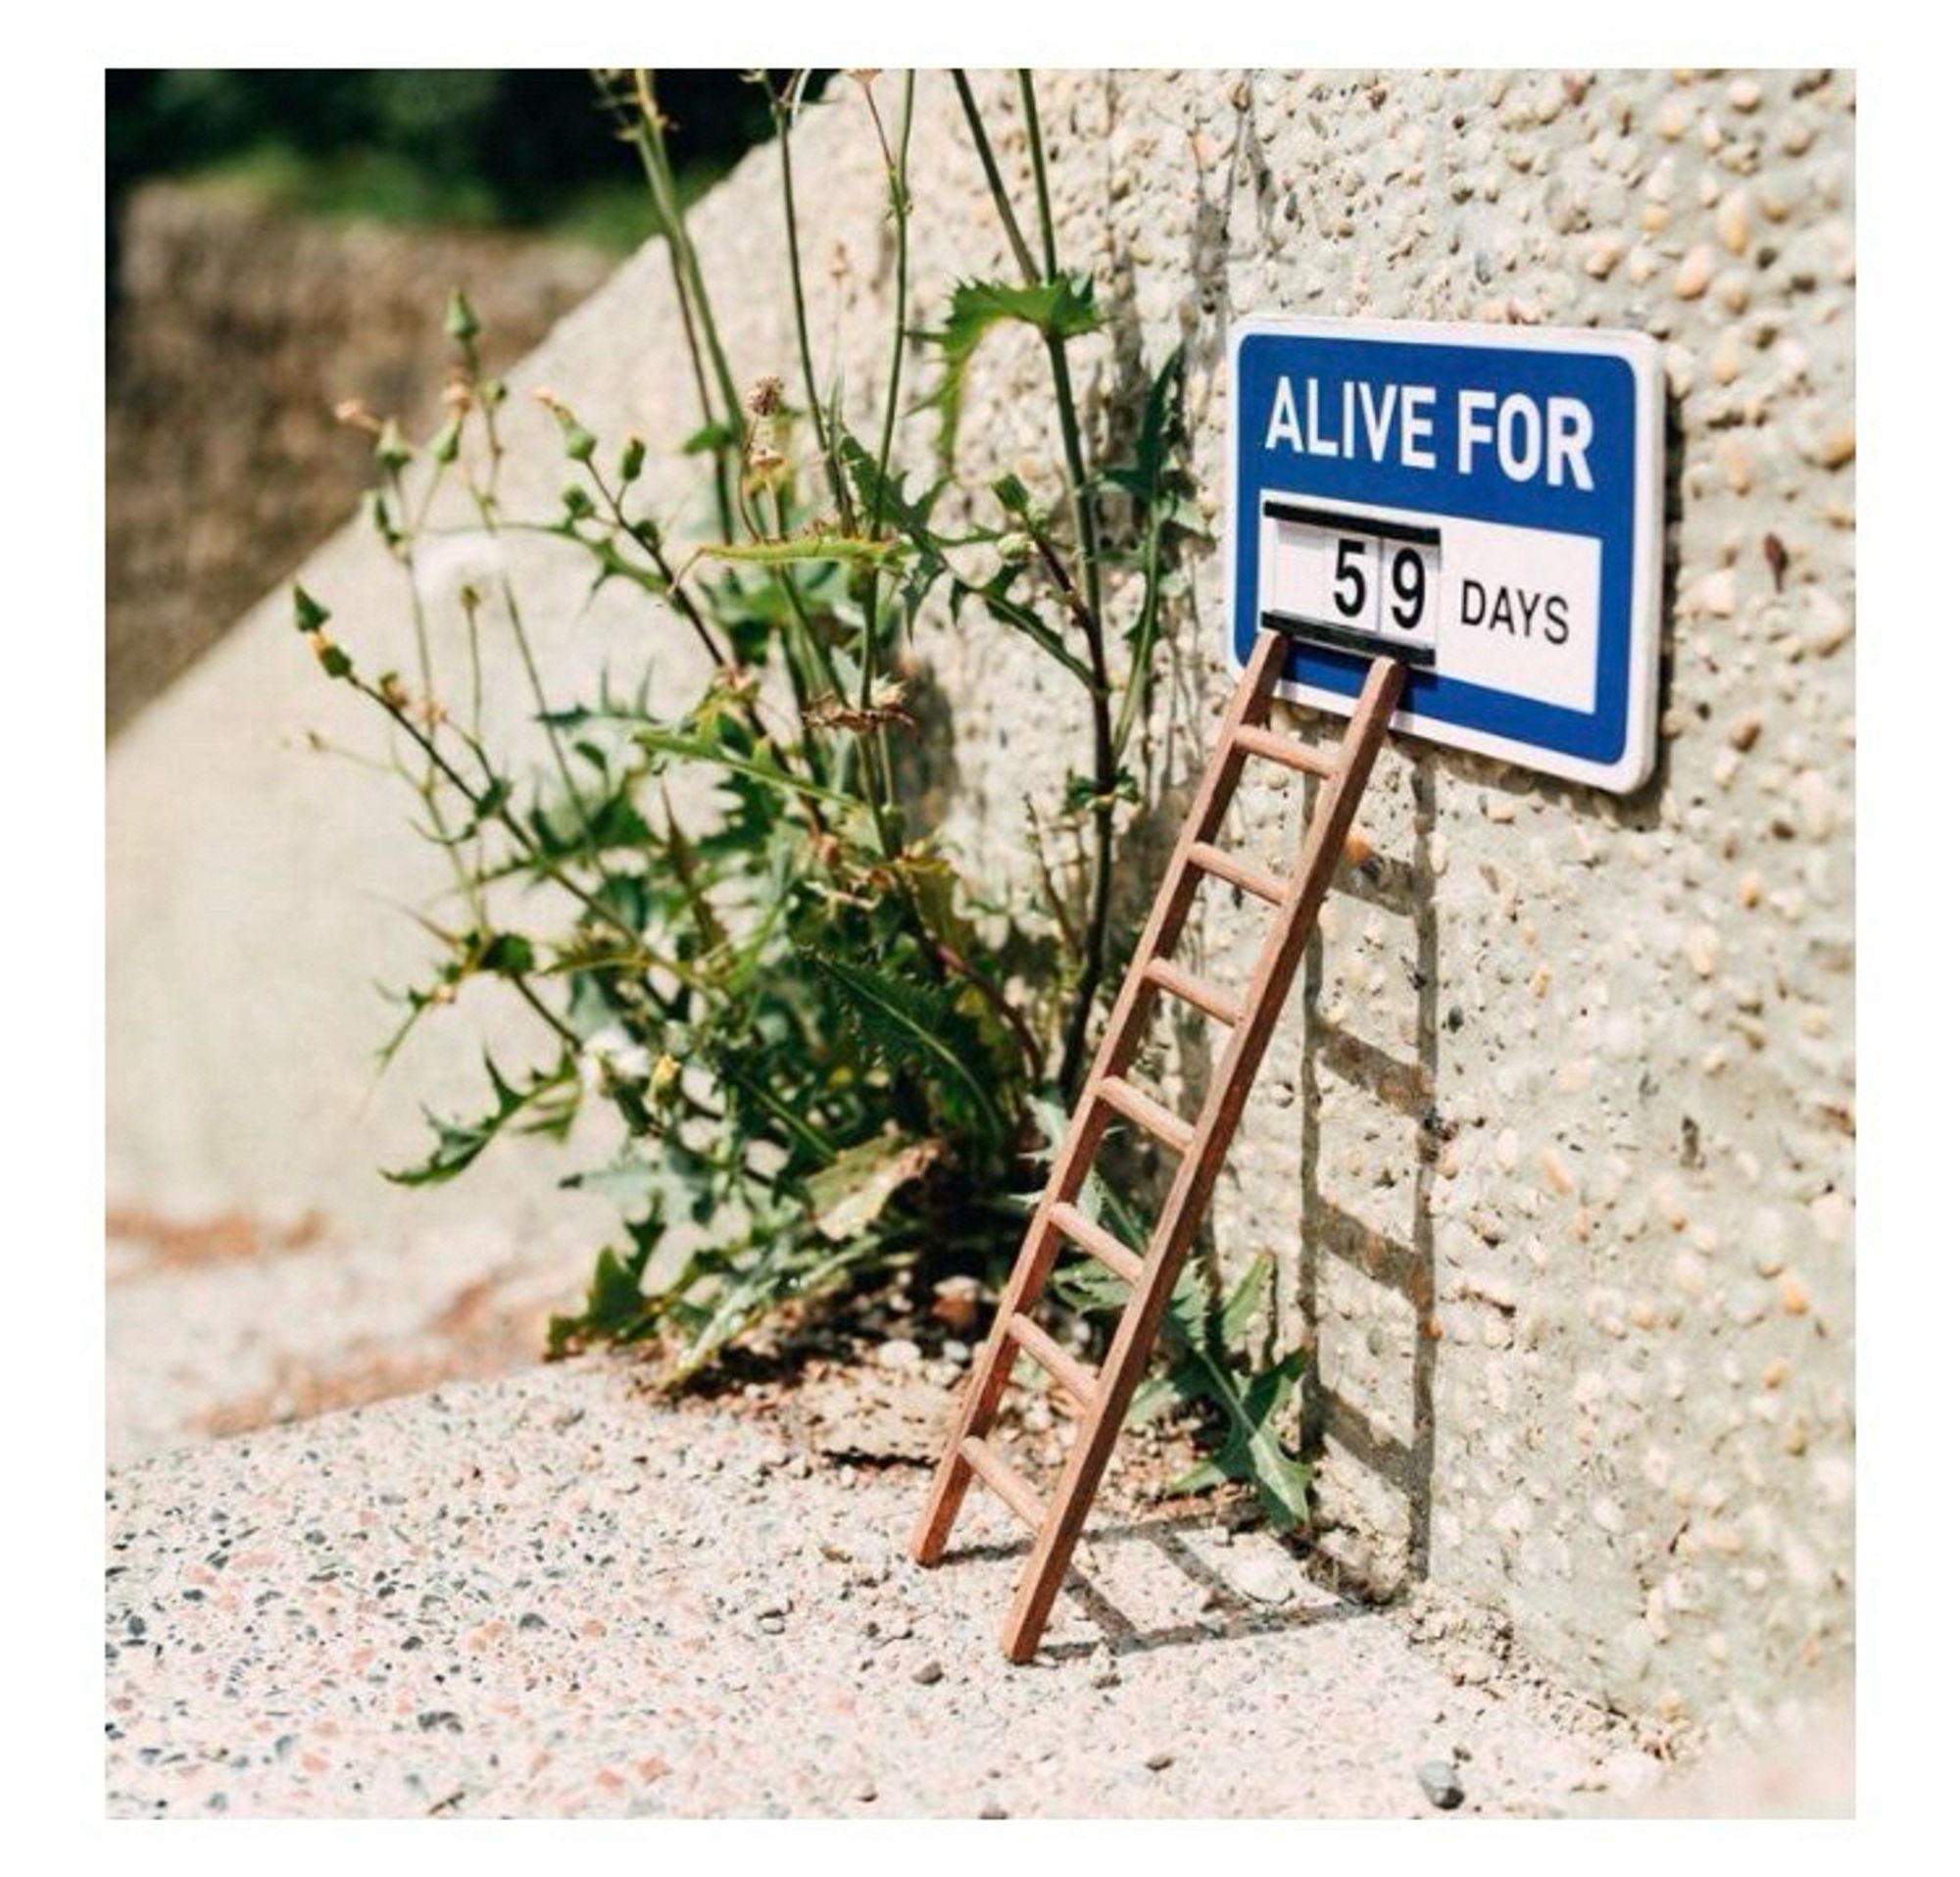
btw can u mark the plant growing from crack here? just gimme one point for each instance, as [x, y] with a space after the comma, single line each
[725, 919]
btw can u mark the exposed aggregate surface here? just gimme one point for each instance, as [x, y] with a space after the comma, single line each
[548, 1595]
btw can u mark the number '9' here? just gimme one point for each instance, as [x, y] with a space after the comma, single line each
[1408, 580]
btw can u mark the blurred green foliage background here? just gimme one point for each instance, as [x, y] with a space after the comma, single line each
[470, 149]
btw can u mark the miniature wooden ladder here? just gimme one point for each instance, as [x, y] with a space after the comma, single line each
[1102, 1397]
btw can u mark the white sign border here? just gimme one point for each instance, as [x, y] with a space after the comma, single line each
[1642, 352]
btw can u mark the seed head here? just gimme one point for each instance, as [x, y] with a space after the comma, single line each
[765, 397]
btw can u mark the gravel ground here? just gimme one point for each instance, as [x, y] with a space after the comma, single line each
[225, 1325]
[548, 1595]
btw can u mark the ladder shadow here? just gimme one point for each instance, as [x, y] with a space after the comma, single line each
[1402, 1265]
[1232, 1616]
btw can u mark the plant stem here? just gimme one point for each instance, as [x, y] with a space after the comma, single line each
[1039, 157]
[1095, 930]
[896, 174]
[512, 826]
[654, 134]
[697, 311]
[1149, 611]
[983, 146]
[785, 120]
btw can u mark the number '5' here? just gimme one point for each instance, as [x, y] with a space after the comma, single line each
[1350, 581]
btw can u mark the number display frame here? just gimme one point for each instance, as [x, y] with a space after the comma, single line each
[1535, 456]
[1402, 542]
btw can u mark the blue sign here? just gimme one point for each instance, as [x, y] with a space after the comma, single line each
[1482, 502]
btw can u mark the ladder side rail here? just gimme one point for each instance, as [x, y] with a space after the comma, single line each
[1087, 1124]
[1190, 1191]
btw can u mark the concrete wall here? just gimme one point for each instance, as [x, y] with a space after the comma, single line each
[1556, 1146]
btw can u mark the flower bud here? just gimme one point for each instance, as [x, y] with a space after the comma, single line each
[332, 660]
[381, 520]
[309, 615]
[461, 323]
[633, 459]
[579, 442]
[391, 449]
[443, 446]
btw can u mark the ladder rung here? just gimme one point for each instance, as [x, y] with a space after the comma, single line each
[1268, 886]
[1083, 1230]
[1009, 1486]
[1077, 1378]
[1133, 1103]
[1289, 750]
[1179, 983]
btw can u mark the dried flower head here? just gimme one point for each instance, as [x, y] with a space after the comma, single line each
[765, 397]
[886, 708]
[355, 413]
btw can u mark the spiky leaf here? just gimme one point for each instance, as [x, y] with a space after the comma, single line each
[911, 1025]
[1063, 308]
[459, 1143]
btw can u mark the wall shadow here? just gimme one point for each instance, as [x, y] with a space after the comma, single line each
[1404, 1262]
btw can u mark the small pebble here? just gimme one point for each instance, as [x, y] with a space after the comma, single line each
[927, 1674]
[1158, 1762]
[1691, 281]
[1440, 1784]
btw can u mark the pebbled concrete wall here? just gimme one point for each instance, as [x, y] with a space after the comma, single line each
[1556, 1146]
